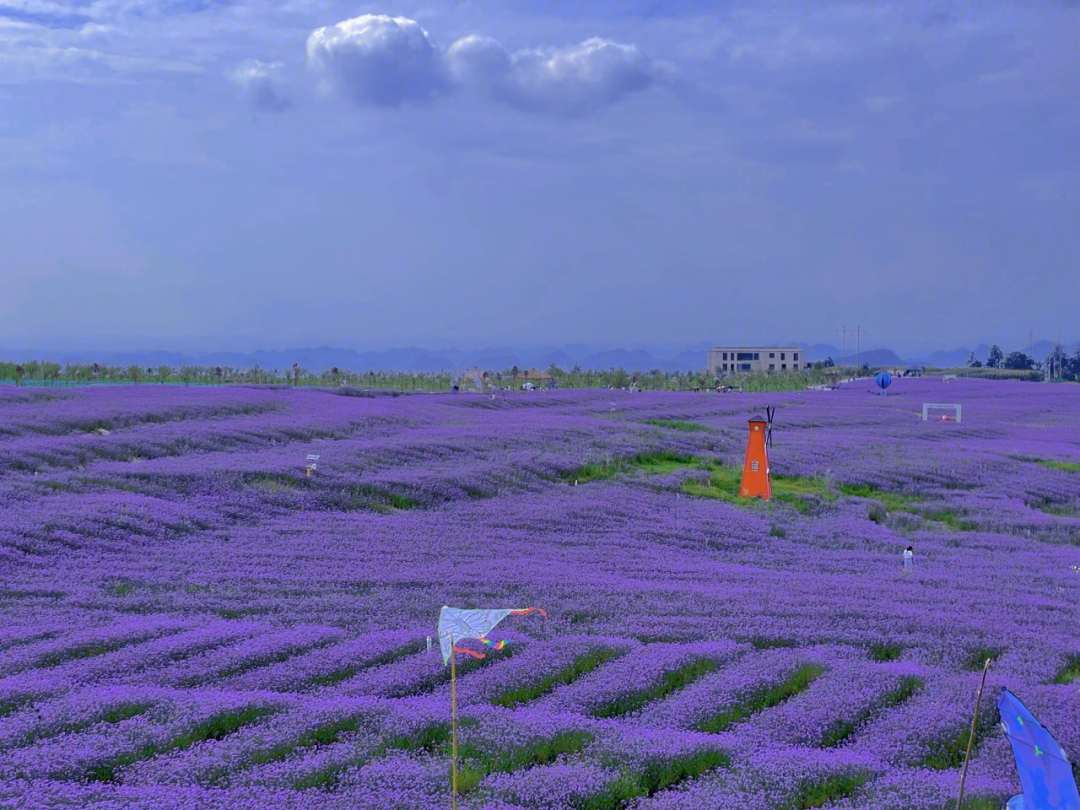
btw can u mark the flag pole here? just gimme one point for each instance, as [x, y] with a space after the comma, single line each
[971, 737]
[453, 725]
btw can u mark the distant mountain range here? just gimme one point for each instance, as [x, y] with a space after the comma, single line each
[494, 359]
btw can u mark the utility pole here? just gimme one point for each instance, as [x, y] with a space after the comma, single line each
[859, 332]
[843, 355]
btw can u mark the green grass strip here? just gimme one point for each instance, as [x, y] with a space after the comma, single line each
[675, 424]
[582, 665]
[312, 738]
[766, 643]
[797, 491]
[477, 764]
[951, 520]
[86, 651]
[658, 774]
[819, 792]
[842, 729]
[762, 699]
[1070, 672]
[892, 501]
[976, 659]
[257, 662]
[663, 461]
[218, 727]
[343, 674]
[886, 651]
[442, 674]
[1067, 466]
[430, 739]
[949, 751]
[670, 682]
[116, 714]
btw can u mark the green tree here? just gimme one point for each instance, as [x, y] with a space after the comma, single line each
[996, 357]
[1019, 361]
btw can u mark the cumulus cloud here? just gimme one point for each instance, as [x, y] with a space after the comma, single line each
[260, 82]
[386, 61]
[379, 60]
[576, 79]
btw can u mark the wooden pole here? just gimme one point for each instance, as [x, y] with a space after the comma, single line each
[971, 737]
[453, 725]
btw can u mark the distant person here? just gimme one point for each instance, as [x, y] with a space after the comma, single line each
[909, 558]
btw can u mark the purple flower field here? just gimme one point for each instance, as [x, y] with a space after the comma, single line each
[190, 621]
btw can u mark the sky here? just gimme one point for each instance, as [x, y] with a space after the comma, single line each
[269, 173]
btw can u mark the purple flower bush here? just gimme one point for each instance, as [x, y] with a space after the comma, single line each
[192, 621]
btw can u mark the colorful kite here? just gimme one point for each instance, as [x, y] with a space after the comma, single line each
[460, 623]
[1045, 772]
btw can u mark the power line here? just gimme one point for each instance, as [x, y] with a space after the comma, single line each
[858, 331]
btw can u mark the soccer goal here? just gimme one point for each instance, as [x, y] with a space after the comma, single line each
[937, 406]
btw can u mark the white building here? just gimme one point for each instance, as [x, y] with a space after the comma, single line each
[743, 359]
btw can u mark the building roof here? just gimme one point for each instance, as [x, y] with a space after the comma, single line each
[535, 374]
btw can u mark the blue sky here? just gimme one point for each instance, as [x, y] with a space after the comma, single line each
[266, 173]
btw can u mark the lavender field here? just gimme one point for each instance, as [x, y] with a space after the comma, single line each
[190, 621]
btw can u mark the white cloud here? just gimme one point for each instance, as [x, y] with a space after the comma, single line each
[571, 81]
[379, 60]
[260, 82]
[386, 61]
[479, 63]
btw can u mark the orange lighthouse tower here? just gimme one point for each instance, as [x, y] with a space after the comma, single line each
[755, 476]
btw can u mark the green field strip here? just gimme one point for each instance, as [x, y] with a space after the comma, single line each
[657, 774]
[476, 764]
[346, 672]
[88, 650]
[676, 424]
[950, 520]
[820, 792]
[658, 462]
[431, 738]
[670, 682]
[797, 491]
[582, 665]
[1066, 466]
[217, 727]
[1070, 671]
[949, 750]
[886, 651]
[116, 714]
[762, 699]
[257, 662]
[842, 729]
[442, 675]
[893, 501]
[975, 659]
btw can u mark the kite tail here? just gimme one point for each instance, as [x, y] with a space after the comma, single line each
[498, 645]
[528, 610]
[469, 652]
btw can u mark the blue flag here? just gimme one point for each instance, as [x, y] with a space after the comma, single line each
[1046, 775]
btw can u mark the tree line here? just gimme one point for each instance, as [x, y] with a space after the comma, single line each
[47, 373]
[1058, 365]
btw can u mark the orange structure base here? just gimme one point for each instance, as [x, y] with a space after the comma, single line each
[755, 478]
